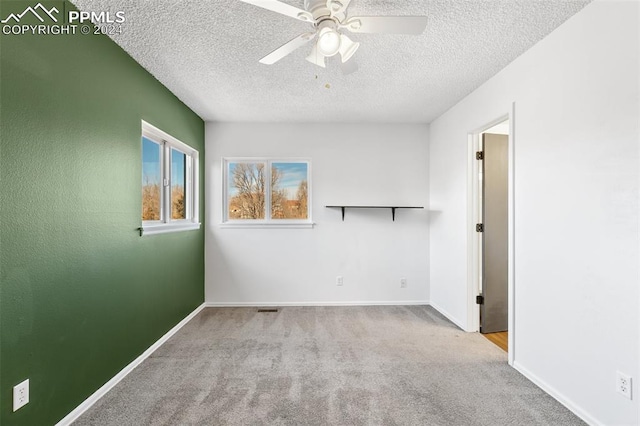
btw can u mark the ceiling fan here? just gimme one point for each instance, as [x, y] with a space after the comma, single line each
[329, 18]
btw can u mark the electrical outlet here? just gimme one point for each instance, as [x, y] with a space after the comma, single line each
[339, 281]
[623, 384]
[403, 283]
[20, 395]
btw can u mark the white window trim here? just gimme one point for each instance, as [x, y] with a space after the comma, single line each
[192, 191]
[267, 222]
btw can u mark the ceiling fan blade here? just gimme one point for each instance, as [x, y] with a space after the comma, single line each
[287, 48]
[282, 8]
[349, 67]
[387, 24]
[316, 57]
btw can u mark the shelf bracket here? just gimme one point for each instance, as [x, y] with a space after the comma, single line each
[393, 214]
[342, 213]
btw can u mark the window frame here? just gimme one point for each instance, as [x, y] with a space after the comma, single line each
[192, 184]
[268, 221]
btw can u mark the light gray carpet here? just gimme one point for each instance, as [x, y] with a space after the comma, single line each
[382, 365]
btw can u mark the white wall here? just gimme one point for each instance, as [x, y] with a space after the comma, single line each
[351, 164]
[576, 207]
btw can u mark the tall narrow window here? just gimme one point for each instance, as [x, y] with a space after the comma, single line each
[289, 191]
[267, 192]
[151, 179]
[178, 184]
[169, 183]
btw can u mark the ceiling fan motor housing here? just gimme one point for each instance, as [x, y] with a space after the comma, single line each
[319, 9]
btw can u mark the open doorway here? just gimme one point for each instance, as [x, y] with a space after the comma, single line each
[493, 196]
[491, 217]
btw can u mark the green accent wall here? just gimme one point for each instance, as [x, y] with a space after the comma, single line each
[82, 294]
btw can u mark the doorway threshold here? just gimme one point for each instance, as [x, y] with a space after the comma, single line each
[500, 339]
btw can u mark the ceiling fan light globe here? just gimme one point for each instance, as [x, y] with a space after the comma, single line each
[316, 58]
[347, 48]
[329, 42]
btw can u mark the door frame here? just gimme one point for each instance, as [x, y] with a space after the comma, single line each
[473, 239]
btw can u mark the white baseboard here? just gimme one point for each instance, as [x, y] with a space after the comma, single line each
[562, 399]
[273, 304]
[87, 403]
[449, 316]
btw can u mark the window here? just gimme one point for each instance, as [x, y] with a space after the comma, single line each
[253, 184]
[169, 183]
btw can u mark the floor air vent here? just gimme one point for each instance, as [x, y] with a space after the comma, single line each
[267, 310]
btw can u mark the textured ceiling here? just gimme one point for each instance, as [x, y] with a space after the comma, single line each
[206, 52]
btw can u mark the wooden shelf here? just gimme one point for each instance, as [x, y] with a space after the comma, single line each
[393, 209]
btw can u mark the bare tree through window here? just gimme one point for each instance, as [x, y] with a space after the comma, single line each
[287, 186]
[247, 187]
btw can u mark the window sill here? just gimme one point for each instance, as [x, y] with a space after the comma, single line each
[166, 228]
[266, 225]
